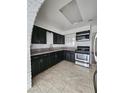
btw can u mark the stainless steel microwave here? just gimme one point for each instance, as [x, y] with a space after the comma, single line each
[83, 36]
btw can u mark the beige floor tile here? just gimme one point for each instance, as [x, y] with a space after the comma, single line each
[65, 77]
[69, 89]
[34, 89]
[44, 85]
[54, 90]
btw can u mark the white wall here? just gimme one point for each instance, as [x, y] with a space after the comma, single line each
[70, 40]
[87, 27]
[93, 32]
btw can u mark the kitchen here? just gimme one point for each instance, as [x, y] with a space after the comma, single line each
[62, 47]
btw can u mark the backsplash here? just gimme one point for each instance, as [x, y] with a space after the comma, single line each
[37, 46]
[70, 40]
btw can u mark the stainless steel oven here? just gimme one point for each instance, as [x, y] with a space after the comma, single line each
[82, 56]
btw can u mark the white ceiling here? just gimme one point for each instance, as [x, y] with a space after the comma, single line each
[50, 16]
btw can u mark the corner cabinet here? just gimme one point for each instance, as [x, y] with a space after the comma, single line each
[39, 63]
[69, 56]
[58, 39]
[38, 35]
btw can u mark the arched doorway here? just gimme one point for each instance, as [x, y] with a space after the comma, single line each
[33, 7]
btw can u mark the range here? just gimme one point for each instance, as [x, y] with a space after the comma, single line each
[82, 56]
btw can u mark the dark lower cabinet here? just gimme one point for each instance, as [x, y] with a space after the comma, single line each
[45, 59]
[42, 62]
[56, 60]
[35, 66]
[53, 58]
[60, 55]
[39, 63]
[72, 56]
[69, 56]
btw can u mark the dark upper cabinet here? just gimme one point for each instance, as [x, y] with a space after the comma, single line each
[58, 39]
[38, 35]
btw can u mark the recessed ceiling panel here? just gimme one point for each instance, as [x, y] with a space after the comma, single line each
[71, 12]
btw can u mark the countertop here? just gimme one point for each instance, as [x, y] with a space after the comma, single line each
[40, 51]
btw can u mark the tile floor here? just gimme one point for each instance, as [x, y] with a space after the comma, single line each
[65, 77]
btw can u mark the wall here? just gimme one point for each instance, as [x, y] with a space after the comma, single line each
[87, 27]
[32, 9]
[70, 40]
[93, 32]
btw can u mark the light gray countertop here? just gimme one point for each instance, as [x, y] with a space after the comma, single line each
[41, 51]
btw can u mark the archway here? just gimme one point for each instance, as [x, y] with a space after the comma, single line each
[33, 7]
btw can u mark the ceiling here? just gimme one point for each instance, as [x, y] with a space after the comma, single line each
[50, 15]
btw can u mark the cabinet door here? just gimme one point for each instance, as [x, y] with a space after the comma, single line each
[35, 65]
[63, 39]
[39, 35]
[42, 37]
[59, 56]
[46, 61]
[52, 59]
[56, 58]
[54, 38]
[67, 55]
[58, 39]
[64, 55]
[72, 54]
[35, 35]
[41, 64]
